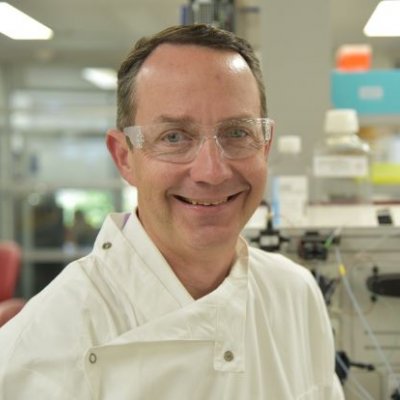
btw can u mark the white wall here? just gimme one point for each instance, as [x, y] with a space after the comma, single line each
[296, 58]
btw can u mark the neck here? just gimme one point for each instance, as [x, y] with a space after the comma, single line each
[201, 272]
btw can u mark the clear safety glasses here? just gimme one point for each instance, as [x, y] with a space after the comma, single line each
[180, 142]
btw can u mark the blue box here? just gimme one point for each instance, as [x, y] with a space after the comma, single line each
[375, 92]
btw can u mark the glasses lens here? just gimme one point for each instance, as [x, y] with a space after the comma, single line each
[180, 142]
[171, 141]
[242, 138]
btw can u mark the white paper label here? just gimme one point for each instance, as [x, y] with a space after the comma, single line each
[267, 241]
[292, 187]
[290, 195]
[341, 166]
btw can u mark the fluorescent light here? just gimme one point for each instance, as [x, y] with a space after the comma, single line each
[385, 20]
[103, 78]
[17, 25]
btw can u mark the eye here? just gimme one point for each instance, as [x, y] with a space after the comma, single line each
[174, 137]
[236, 133]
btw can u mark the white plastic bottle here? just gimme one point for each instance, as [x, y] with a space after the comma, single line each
[289, 183]
[341, 162]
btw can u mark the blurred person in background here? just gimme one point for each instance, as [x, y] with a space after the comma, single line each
[81, 233]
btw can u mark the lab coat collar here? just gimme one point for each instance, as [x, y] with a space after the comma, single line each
[164, 310]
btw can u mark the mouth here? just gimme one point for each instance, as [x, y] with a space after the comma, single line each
[206, 202]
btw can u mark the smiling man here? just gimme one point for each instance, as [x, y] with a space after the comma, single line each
[193, 199]
[172, 303]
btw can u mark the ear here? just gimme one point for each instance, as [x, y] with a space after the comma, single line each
[121, 154]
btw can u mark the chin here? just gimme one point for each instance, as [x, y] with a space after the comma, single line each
[215, 236]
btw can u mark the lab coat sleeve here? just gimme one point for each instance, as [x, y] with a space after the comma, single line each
[337, 390]
[334, 389]
[27, 371]
[41, 349]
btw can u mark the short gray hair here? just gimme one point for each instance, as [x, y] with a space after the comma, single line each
[198, 34]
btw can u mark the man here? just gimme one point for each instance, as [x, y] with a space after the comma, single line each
[172, 303]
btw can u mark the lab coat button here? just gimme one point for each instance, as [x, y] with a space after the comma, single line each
[106, 245]
[92, 358]
[228, 356]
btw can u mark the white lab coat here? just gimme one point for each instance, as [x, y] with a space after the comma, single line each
[119, 325]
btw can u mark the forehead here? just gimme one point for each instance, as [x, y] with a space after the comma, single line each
[195, 79]
[177, 61]
[171, 54]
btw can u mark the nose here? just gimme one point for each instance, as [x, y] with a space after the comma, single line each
[210, 166]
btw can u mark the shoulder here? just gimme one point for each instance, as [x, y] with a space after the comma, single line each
[47, 340]
[47, 332]
[279, 278]
[284, 288]
[68, 292]
[277, 266]
[62, 316]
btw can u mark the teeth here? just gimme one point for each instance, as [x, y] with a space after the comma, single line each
[206, 203]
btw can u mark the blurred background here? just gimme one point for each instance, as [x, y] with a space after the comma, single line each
[58, 98]
[56, 177]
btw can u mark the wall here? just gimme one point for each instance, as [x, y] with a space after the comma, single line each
[296, 58]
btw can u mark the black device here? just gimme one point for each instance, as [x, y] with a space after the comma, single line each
[270, 239]
[314, 246]
[384, 284]
[384, 216]
[343, 364]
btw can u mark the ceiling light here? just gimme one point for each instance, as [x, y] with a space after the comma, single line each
[17, 25]
[384, 21]
[103, 78]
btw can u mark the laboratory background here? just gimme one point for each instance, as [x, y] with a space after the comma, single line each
[333, 194]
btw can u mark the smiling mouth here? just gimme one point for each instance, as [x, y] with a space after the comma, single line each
[205, 203]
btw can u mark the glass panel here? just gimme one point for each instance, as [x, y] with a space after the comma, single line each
[57, 180]
[56, 227]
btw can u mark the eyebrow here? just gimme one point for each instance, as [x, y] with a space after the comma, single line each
[180, 119]
[189, 120]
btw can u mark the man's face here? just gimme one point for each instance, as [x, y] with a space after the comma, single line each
[204, 203]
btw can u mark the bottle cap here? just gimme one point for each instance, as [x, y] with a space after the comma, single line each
[289, 144]
[341, 121]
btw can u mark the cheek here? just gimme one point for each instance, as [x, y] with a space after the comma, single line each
[129, 171]
[151, 177]
[258, 169]
[143, 171]
[257, 176]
